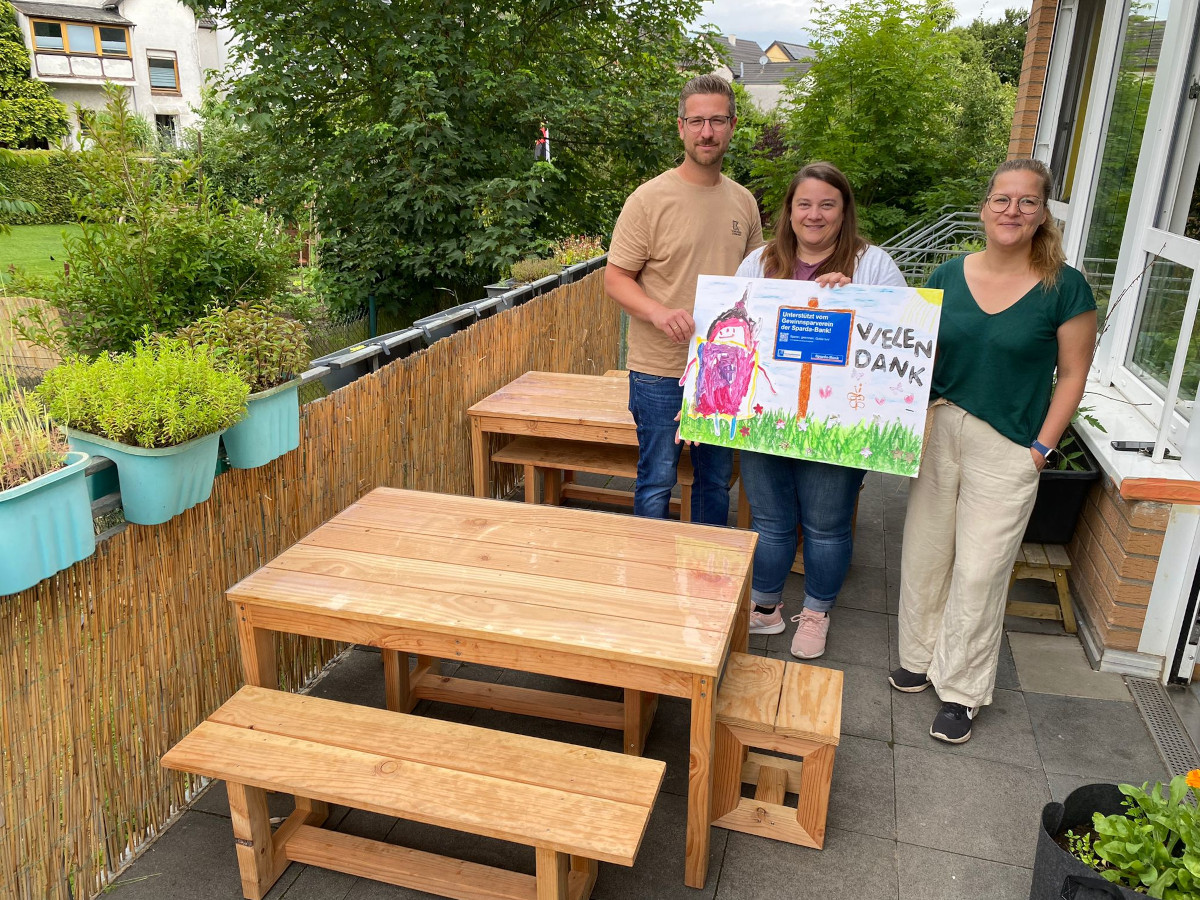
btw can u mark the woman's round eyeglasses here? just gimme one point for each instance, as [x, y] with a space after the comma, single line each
[999, 203]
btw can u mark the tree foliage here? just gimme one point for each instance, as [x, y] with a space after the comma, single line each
[411, 125]
[1003, 43]
[30, 117]
[907, 109]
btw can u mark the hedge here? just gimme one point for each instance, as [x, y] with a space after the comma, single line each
[49, 185]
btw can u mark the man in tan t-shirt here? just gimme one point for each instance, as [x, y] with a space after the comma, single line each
[689, 221]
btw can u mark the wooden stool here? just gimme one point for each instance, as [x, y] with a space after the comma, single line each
[1045, 562]
[789, 708]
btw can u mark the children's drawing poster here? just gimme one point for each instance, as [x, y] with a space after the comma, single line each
[790, 368]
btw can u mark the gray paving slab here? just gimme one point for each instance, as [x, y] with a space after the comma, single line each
[865, 589]
[356, 678]
[855, 636]
[862, 796]
[1056, 664]
[1061, 785]
[892, 585]
[1101, 739]
[968, 805]
[668, 741]
[868, 544]
[852, 865]
[927, 874]
[1001, 732]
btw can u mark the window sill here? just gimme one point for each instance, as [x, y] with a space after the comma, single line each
[1137, 477]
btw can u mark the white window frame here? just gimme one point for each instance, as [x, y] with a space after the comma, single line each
[1142, 240]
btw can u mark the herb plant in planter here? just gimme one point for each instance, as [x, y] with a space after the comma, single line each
[157, 412]
[1143, 842]
[267, 350]
[1063, 487]
[45, 512]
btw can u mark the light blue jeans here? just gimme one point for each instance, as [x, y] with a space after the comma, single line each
[818, 497]
[654, 401]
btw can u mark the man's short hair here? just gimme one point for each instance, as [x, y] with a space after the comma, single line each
[707, 84]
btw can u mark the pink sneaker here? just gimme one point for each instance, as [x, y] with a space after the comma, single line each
[809, 641]
[767, 623]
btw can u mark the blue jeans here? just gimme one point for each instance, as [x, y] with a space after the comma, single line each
[655, 400]
[820, 498]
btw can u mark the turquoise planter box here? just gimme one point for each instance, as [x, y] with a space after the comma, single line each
[270, 428]
[157, 483]
[45, 526]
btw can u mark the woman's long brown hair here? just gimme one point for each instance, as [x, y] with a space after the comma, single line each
[779, 256]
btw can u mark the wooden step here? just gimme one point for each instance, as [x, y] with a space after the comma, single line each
[749, 692]
[810, 705]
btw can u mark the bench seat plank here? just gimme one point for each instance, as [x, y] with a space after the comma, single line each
[437, 794]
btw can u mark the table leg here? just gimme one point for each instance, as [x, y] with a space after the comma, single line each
[700, 781]
[740, 640]
[640, 707]
[259, 666]
[480, 476]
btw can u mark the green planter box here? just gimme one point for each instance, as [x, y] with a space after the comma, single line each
[45, 526]
[157, 483]
[270, 428]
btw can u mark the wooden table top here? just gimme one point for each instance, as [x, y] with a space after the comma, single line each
[650, 592]
[592, 400]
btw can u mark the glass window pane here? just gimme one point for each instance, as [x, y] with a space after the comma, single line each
[48, 35]
[162, 74]
[113, 42]
[81, 38]
[1152, 352]
[1123, 141]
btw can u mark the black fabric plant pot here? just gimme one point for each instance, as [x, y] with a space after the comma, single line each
[1057, 875]
[1060, 498]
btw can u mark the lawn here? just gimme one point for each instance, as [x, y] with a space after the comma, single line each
[36, 249]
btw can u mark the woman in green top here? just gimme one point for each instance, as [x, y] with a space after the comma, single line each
[1011, 314]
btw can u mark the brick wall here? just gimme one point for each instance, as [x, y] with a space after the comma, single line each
[1033, 78]
[1114, 556]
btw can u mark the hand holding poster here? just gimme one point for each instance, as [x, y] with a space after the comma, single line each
[838, 375]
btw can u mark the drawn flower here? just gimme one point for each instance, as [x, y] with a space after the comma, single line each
[803, 426]
[809, 451]
[908, 399]
[785, 444]
[744, 430]
[758, 409]
[825, 392]
[865, 452]
[780, 423]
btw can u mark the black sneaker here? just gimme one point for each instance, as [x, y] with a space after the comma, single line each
[909, 682]
[953, 723]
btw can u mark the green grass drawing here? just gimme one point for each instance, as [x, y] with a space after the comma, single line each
[888, 447]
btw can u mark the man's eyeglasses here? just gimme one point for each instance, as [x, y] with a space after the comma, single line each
[999, 203]
[696, 123]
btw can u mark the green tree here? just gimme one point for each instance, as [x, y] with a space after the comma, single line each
[30, 117]
[1003, 43]
[411, 126]
[908, 110]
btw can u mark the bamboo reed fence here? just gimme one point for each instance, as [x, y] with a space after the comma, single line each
[109, 663]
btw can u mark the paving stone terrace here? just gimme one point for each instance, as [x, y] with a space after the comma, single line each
[910, 818]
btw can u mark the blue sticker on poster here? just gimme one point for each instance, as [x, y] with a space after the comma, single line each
[820, 336]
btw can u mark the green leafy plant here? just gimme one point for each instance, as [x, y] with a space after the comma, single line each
[255, 341]
[531, 269]
[30, 445]
[165, 392]
[1154, 846]
[576, 249]
[1070, 454]
[1080, 847]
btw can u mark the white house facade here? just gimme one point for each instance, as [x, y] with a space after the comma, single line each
[156, 48]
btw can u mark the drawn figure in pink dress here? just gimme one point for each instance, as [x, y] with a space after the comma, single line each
[727, 368]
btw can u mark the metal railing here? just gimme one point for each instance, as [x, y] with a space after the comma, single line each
[927, 243]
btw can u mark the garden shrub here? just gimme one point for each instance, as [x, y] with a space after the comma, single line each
[49, 186]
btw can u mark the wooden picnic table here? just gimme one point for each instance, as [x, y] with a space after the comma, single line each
[649, 606]
[592, 408]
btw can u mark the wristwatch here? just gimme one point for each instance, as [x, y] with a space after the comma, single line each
[1041, 448]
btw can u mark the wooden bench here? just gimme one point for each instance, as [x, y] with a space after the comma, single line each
[1045, 562]
[785, 707]
[552, 457]
[574, 805]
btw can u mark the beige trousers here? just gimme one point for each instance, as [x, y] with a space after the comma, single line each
[966, 514]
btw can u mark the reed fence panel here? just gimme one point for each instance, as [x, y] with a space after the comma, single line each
[110, 662]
